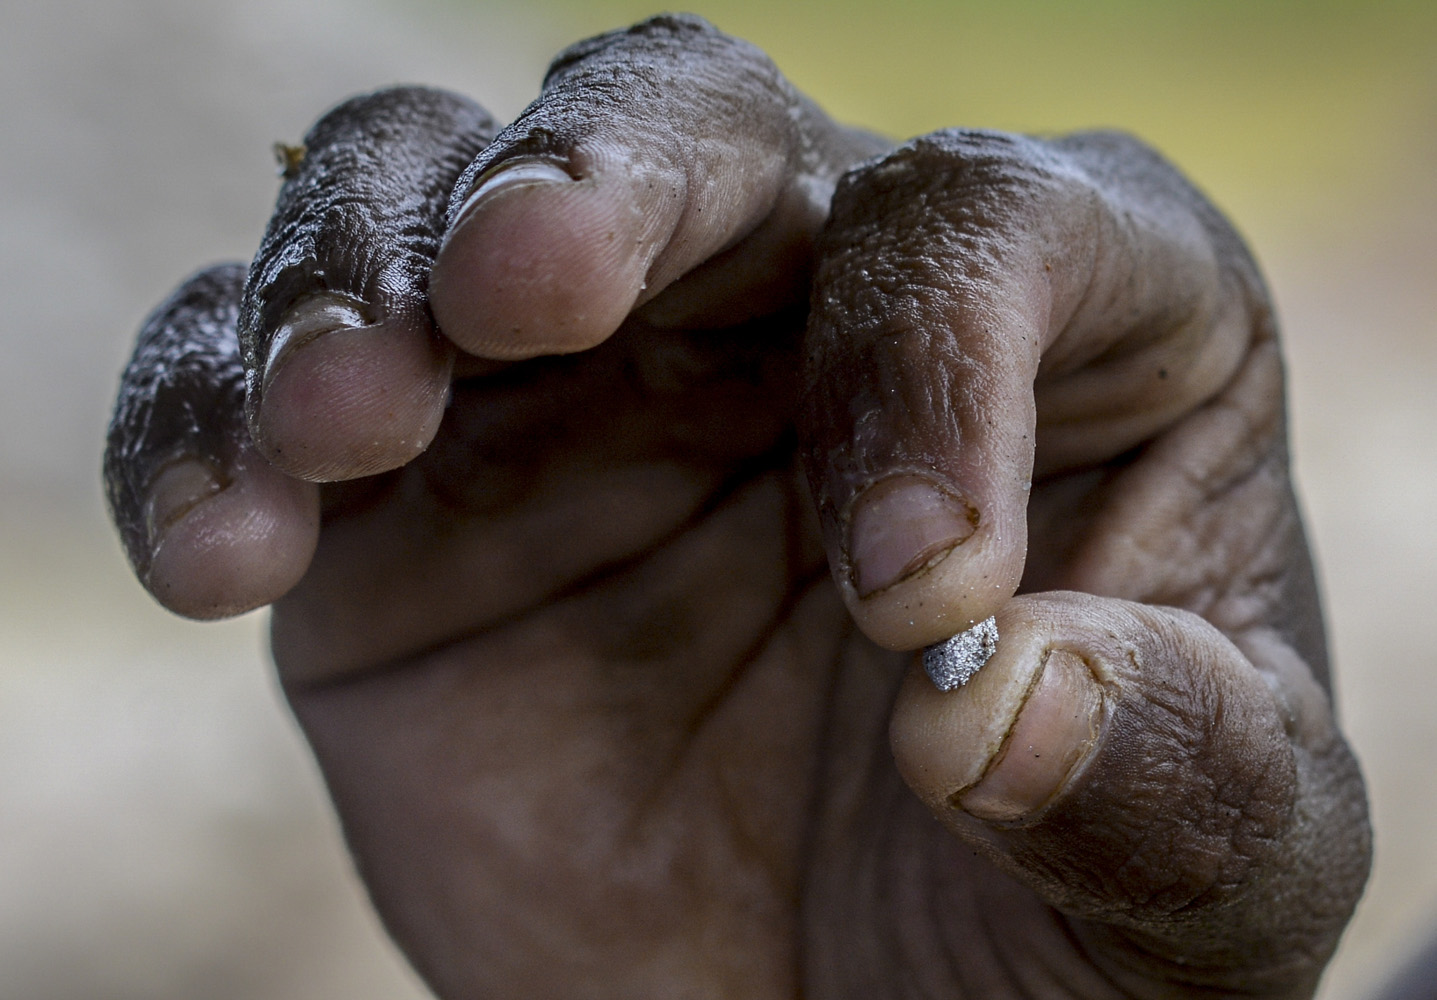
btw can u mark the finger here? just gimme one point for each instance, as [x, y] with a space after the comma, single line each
[653, 152]
[1135, 768]
[348, 376]
[209, 526]
[988, 307]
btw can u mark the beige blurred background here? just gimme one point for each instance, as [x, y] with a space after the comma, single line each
[162, 833]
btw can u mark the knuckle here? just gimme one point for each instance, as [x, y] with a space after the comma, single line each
[655, 89]
[660, 34]
[962, 175]
[947, 216]
[628, 56]
[361, 211]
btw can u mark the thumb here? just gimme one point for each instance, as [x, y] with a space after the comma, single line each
[1131, 765]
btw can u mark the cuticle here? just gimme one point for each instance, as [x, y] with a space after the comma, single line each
[323, 298]
[519, 159]
[845, 520]
[1067, 779]
[1002, 750]
[909, 575]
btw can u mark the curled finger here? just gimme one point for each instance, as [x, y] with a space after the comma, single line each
[210, 527]
[347, 375]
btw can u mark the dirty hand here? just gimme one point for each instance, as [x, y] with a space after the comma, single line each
[568, 490]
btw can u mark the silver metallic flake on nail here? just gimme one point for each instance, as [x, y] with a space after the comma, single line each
[952, 663]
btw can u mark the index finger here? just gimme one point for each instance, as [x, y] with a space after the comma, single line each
[988, 308]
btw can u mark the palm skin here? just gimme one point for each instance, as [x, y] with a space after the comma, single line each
[583, 672]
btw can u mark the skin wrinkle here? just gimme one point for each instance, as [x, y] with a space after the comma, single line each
[932, 962]
[360, 192]
[809, 843]
[677, 381]
[1135, 219]
[359, 220]
[842, 884]
[863, 861]
[677, 375]
[1247, 822]
[1226, 472]
[1262, 581]
[801, 589]
[693, 203]
[707, 708]
[627, 69]
[956, 226]
[1098, 962]
[1010, 971]
[1208, 477]
[961, 975]
[601, 575]
[1131, 174]
[186, 359]
[742, 842]
[1045, 974]
[1177, 712]
[989, 915]
[786, 883]
[1215, 577]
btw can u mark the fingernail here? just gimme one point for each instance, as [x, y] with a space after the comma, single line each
[1054, 733]
[307, 320]
[902, 526]
[176, 490]
[518, 172]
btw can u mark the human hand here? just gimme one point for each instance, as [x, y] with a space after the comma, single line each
[567, 648]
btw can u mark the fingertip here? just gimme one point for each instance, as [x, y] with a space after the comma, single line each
[540, 263]
[944, 742]
[345, 374]
[343, 398]
[920, 562]
[224, 545]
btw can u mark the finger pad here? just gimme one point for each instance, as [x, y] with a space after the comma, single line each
[354, 402]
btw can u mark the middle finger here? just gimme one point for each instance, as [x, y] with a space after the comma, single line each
[345, 373]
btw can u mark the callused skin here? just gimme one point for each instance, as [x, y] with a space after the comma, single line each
[609, 681]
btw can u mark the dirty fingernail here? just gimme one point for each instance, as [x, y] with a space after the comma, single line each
[901, 526]
[307, 320]
[178, 488]
[1054, 733]
[518, 172]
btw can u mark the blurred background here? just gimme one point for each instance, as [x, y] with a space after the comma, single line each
[162, 832]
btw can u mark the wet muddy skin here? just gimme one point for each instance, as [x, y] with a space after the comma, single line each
[723, 345]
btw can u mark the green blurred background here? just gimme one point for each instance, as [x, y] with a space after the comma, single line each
[1280, 108]
[162, 834]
